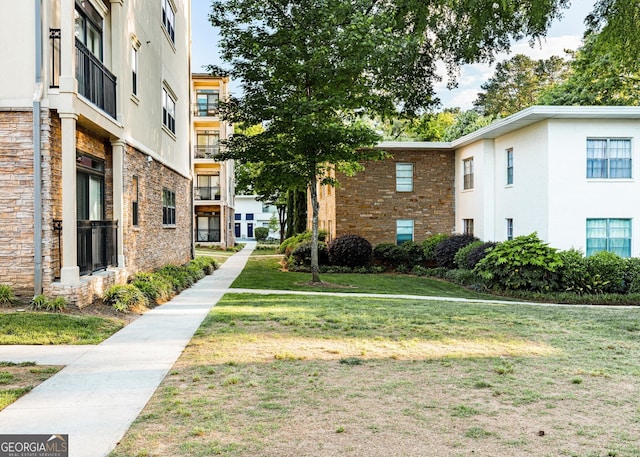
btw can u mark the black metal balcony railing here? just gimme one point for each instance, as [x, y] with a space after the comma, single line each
[206, 109]
[206, 152]
[206, 193]
[95, 81]
[54, 37]
[97, 242]
[208, 236]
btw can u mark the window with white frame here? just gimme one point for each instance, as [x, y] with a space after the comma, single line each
[467, 173]
[467, 226]
[169, 19]
[168, 111]
[509, 229]
[613, 235]
[88, 28]
[404, 177]
[404, 231]
[168, 207]
[608, 158]
[509, 167]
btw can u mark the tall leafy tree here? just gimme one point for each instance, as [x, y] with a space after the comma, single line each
[309, 69]
[517, 83]
[606, 69]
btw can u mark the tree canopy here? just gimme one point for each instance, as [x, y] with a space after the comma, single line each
[310, 69]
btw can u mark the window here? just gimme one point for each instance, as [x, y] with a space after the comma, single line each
[249, 216]
[134, 70]
[169, 19]
[404, 231]
[207, 144]
[208, 187]
[509, 229]
[88, 25]
[404, 177]
[467, 174]
[207, 102]
[134, 201]
[168, 207]
[168, 111]
[467, 226]
[89, 188]
[613, 235]
[608, 158]
[509, 167]
[238, 217]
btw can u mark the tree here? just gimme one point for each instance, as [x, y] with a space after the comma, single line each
[465, 123]
[311, 68]
[517, 84]
[606, 69]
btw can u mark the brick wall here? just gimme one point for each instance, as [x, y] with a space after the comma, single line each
[368, 204]
[151, 245]
[16, 200]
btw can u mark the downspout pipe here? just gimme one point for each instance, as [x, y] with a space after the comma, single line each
[37, 156]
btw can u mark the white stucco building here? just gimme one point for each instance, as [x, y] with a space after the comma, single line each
[571, 174]
[250, 214]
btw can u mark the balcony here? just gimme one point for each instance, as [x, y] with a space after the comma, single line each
[95, 82]
[97, 241]
[206, 152]
[206, 193]
[207, 236]
[206, 109]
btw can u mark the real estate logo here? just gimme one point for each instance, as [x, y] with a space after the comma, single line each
[34, 445]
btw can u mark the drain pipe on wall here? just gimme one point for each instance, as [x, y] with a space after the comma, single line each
[37, 157]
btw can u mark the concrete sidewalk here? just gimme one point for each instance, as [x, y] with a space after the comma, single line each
[100, 393]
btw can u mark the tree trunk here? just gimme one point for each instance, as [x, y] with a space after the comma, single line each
[290, 211]
[315, 266]
[282, 219]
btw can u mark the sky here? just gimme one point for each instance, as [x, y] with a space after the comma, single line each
[565, 33]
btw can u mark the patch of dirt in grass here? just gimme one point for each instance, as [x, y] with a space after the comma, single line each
[272, 394]
[97, 309]
[18, 379]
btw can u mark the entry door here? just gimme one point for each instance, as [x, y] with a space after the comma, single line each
[249, 230]
[237, 229]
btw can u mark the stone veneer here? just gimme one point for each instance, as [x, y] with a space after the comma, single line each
[368, 204]
[148, 246]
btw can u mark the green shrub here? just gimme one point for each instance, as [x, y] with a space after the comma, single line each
[125, 298]
[388, 254]
[445, 251]
[57, 305]
[429, 246]
[573, 273]
[464, 277]
[351, 251]
[6, 295]
[261, 233]
[155, 287]
[478, 253]
[609, 269]
[461, 259]
[412, 253]
[207, 264]
[179, 277]
[524, 263]
[38, 302]
[632, 275]
[301, 256]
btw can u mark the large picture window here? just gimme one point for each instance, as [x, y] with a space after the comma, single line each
[89, 188]
[88, 27]
[608, 158]
[207, 102]
[613, 235]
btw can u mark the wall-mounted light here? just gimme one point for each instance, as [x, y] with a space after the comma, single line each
[149, 159]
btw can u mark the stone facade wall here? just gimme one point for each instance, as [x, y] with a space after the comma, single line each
[150, 244]
[368, 204]
[16, 200]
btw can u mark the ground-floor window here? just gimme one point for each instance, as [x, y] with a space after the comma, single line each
[404, 231]
[509, 229]
[467, 226]
[613, 235]
[208, 228]
[168, 207]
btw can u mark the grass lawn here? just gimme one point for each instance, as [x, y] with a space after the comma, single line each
[280, 375]
[16, 379]
[266, 273]
[50, 328]
[219, 255]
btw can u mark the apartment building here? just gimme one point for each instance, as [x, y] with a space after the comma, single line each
[213, 180]
[95, 163]
[569, 173]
